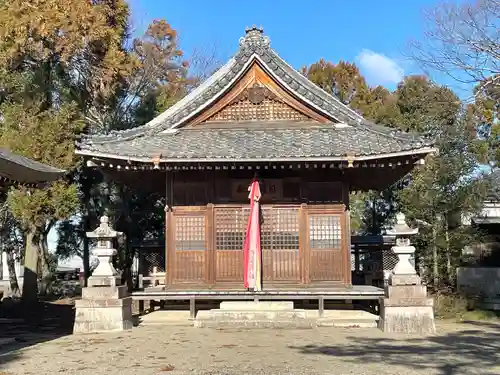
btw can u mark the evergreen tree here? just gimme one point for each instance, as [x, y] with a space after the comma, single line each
[46, 47]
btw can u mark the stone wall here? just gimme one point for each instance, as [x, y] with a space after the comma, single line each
[479, 281]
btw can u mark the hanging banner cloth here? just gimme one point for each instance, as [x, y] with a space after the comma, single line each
[251, 250]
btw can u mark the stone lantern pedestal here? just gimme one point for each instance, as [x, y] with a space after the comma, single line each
[405, 308]
[105, 305]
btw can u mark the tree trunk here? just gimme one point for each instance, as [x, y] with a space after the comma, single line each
[435, 261]
[11, 265]
[30, 282]
[44, 265]
[449, 269]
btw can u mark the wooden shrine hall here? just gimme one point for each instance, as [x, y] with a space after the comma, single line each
[257, 117]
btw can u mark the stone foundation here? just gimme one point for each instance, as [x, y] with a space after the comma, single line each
[406, 307]
[103, 309]
[407, 319]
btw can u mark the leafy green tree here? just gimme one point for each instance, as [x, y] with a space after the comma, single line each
[157, 78]
[46, 47]
[424, 106]
[160, 78]
[485, 124]
[443, 191]
[48, 136]
[383, 108]
[343, 80]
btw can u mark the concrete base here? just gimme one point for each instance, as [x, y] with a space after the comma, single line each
[346, 319]
[331, 318]
[406, 307]
[274, 314]
[249, 314]
[407, 319]
[255, 324]
[103, 309]
[256, 306]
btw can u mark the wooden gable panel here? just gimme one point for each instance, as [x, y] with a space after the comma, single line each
[256, 96]
[257, 103]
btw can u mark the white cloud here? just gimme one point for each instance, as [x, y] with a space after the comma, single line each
[379, 69]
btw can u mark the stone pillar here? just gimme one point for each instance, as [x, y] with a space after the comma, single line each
[105, 305]
[405, 308]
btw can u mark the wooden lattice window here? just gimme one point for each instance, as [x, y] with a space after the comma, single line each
[189, 233]
[230, 227]
[325, 232]
[280, 229]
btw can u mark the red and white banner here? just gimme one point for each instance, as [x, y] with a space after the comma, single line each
[252, 250]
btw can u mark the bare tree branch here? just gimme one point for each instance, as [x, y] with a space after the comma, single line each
[462, 41]
[203, 62]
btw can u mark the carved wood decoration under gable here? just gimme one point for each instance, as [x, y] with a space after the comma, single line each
[256, 96]
[257, 103]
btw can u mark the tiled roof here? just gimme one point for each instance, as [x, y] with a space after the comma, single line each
[24, 170]
[361, 137]
[259, 143]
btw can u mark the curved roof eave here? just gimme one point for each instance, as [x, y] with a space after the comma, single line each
[18, 168]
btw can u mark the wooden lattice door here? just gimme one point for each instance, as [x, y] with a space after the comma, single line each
[326, 244]
[280, 244]
[187, 258]
[230, 227]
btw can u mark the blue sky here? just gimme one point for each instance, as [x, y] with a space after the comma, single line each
[374, 34]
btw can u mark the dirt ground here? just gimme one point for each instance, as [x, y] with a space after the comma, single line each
[465, 348]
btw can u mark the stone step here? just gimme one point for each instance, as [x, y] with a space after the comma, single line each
[265, 319]
[233, 323]
[347, 323]
[348, 318]
[256, 306]
[282, 317]
[252, 314]
[164, 317]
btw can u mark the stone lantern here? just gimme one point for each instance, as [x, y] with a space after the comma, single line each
[405, 307]
[104, 274]
[404, 271]
[105, 305]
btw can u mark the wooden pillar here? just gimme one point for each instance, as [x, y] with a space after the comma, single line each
[347, 248]
[304, 247]
[347, 231]
[210, 253]
[169, 201]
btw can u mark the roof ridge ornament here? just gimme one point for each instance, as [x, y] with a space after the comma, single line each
[255, 38]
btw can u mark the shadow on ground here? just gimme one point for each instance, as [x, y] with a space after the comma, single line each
[20, 328]
[475, 347]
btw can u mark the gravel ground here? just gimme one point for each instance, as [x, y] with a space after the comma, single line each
[472, 348]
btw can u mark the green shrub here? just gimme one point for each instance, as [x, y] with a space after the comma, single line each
[449, 305]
